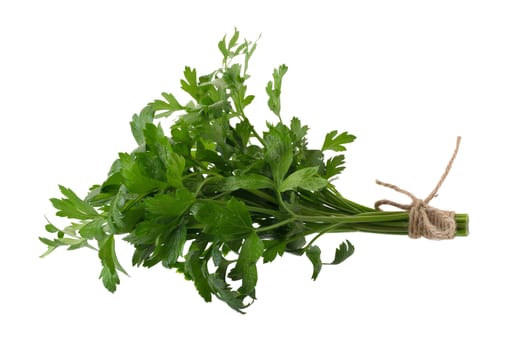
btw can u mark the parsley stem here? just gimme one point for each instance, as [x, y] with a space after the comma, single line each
[380, 223]
[270, 212]
[274, 226]
[205, 181]
[322, 232]
[253, 131]
[358, 218]
[284, 205]
[263, 195]
[134, 201]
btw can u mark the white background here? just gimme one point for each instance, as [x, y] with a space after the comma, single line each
[406, 77]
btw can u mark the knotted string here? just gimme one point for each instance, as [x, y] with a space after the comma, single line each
[424, 220]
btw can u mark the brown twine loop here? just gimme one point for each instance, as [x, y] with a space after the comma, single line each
[424, 220]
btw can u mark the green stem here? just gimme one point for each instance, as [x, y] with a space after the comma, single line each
[283, 205]
[205, 181]
[274, 226]
[132, 202]
[322, 232]
[263, 195]
[329, 212]
[381, 223]
[378, 222]
[254, 132]
[358, 218]
[270, 212]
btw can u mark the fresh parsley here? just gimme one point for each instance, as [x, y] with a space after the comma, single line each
[211, 197]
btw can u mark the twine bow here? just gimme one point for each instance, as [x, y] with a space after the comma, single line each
[425, 220]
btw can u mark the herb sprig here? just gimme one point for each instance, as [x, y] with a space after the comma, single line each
[212, 196]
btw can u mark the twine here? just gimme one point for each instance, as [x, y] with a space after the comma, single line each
[424, 220]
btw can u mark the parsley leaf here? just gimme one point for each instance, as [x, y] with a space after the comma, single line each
[110, 264]
[345, 250]
[246, 268]
[72, 206]
[335, 166]
[305, 178]
[335, 142]
[314, 254]
[138, 172]
[225, 293]
[228, 221]
[197, 271]
[169, 204]
[139, 122]
[247, 182]
[278, 151]
[273, 89]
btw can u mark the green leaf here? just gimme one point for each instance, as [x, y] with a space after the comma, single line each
[110, 186]
[168, 106]
[67, 237]
[51, 245]
[93, 229]
[272, 249]
[243, 131]
[174, 169]
[248, 50]
[172, 101]
[49, 250]
[115, 216]
[246, 268]
[167, 247]
[224, 292]
[139, 121]
[273, 89]
[226, 49]
[248, 99]
[246, 182]
[314, 254]
[306, 178]
[72, 206]
[334, 166]
[156, 141]
[50, 227]
[335, 142]
[136, 173]
[312, 157]
[174, 245]
[110, 264]
[345, 250]
[223, 49]
[196, 269]
[232, 77]
[278, 150]
[64, 241]
[233, 40]
[162, 234]
[190, 85]
[77, 244]
[170, 205]
[228, 220]
[161, 146]
[298, 130]
[296, 246]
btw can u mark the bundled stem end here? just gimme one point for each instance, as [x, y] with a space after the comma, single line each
[462, 221]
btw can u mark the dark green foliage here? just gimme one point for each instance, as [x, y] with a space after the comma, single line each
[214, 197]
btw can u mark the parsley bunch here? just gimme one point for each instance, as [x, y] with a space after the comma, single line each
[213, 196]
